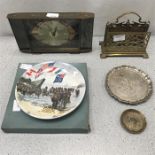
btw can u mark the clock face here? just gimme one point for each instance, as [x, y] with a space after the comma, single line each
[53, 33]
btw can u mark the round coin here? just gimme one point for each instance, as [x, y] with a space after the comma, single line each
[128, 84]
[133, 121]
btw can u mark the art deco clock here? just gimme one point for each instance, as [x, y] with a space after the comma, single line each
[53, 32]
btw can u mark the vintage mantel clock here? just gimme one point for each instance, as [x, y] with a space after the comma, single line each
[53, 32]
[127, 38]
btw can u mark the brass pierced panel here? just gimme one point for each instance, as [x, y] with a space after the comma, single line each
[128, 26]
[132, 40]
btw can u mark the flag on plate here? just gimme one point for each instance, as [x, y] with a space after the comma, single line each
[58, 71]
[30, 72]
[52, 69]
[43, 68]
[59, 78]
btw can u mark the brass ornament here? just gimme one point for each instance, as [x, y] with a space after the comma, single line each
[129, 85]
[127, 38]
[133, 121]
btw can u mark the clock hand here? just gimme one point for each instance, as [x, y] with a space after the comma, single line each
[54, 33]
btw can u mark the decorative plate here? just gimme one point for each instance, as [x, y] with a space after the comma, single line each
[128, 84]
[50, 90]
[133, 121]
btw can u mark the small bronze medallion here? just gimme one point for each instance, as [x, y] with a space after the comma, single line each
[133, 121]
[128, 84]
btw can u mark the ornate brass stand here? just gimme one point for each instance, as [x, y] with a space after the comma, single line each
[127, 38]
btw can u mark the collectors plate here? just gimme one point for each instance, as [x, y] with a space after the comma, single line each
[50, 90]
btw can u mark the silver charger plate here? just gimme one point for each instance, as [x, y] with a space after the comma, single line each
[50, 90]
[128, 84]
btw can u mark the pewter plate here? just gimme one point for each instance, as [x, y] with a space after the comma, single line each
[128, 84]
[50, 90]
[133, 121]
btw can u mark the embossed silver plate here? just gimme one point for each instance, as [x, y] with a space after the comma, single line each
[128, 84]
[133, 121]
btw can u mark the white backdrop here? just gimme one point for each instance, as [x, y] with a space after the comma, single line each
[105, 10]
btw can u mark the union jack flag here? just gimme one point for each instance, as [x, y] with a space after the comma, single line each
[59, 78]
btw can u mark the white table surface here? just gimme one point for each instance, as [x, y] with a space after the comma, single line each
[107, 137]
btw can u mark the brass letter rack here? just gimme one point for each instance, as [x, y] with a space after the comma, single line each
[127, 38]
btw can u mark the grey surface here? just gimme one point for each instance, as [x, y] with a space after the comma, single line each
[105, 10]
[107, 137]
